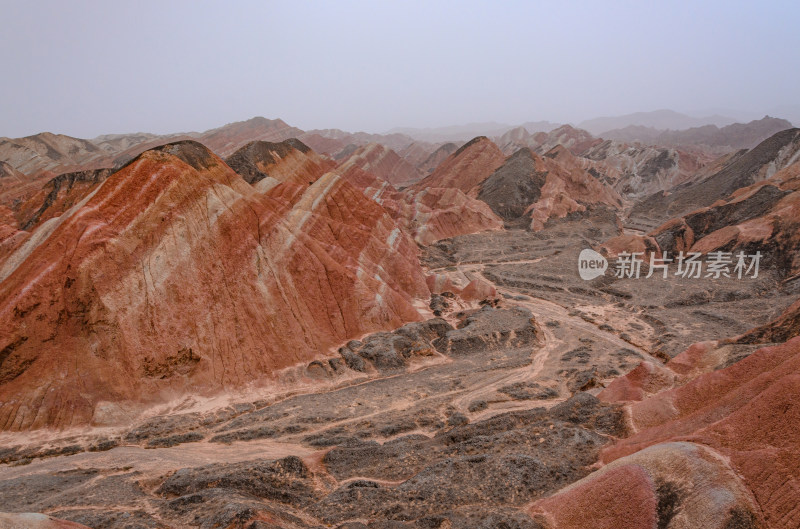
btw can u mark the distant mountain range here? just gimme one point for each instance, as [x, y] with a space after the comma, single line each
[470, 130]
[658, 119]
[646, 127]
[790, 112]
[736, 136]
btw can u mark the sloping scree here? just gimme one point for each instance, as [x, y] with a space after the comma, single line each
[490, 329]
[286, 480]
[391, 351]
[564, 441]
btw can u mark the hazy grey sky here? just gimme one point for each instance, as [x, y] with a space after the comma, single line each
[87, 68]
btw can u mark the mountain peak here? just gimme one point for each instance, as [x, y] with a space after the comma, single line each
[663, 119]
[190, 152]
[474, 141]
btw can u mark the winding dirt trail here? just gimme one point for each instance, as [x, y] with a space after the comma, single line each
[546, 360]
[545, 308]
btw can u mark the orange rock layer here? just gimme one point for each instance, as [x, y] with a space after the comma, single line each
[176, 274]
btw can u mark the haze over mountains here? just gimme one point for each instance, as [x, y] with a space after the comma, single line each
[469, 131]
[657, 119]
[399, 265]
[736, 135]
[260, 326]
[656, 127]
[47, 151]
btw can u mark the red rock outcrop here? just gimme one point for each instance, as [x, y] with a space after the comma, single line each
[638, 170]
[7, 171]
[513, 140]
[650, 378]
[49, 152]
[177, 275]
[228, 138]
[266, 164]
[436, 213]
[384, 163]
[426, 156]
[536, 187]
[474, 290]
[16, 186]
[222, 140]
[322, 144]
[58, 153]
[575, 140]
[736, 171]
[764, 217]
[58, 195]
[394, 141]
[11, 237]
[671, 482]
[437, 157]
[717, 447]
[746, 413]
[466, 168]
[569, 187]
[630, 243]
[428, 215]
[782, 328]
[529, 189]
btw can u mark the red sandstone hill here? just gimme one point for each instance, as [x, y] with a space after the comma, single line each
[714, 441]
[430, 162]
[740, 420]
[58, 153]
[570, 187]
[529, 189]
[385, 164]
[222, 140]
[323, 144]
[636, 170]
[7, 171]
[228, 138]
[742, 169]
[523, 186]
[763, 217]
[574, 139]
[760, 213]
[428, 214]
[712, 446]
[440, 213]
[266, 164]
[11, 237]
[15, 186]
[393, 141]
[339, 145]
[58, 195]
[466, 168]
[633, 170]
[49, 152]
[175, 273]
